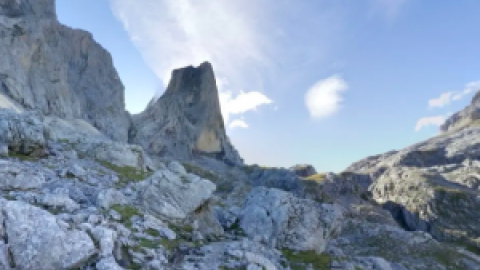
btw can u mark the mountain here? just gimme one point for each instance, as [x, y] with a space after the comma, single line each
[85, 186]
[186, 120]
[57, 70]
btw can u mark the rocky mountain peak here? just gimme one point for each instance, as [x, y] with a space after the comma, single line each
[19, 8]
[193, 79]
[187, 119]
[469, 116]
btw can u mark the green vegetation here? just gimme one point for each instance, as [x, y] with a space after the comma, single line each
[126, 173]
[299, 260]
[318, 178]
[152, 232]
[126, 211]
[193, 169]
[22, 157]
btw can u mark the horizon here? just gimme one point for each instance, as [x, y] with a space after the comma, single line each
[316, 83]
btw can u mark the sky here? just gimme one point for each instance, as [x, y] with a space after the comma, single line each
[323, 82]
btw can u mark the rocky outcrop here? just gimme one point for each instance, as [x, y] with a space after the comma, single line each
[303, 170]
[186, 120]
[467, 117]
[173, 193]
[57, 70]
[431, 186]
[31, 232]
[279, 219]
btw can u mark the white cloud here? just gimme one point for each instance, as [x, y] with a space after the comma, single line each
[469, 88]
[248, 42]
[242, 103]
[429, 121]
[441, 101]
[238, 123]
[448, 97]
[324, 98]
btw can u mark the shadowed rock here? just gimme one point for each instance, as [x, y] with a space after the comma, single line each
[186, 121]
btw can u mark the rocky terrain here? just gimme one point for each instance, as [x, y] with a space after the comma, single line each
[84, 185]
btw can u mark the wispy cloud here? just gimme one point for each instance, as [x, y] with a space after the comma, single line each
[448, 97]
[469, 88]
[387, 8]
[238, 123]
[324, 98]
[430, 121]
[241, 103]
[441, 101]
[246, 41]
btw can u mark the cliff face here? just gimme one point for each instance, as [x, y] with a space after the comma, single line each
[57, 70]
[186, 120]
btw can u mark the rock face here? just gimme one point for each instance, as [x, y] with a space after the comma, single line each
[31, 232]
[303, 170]
[431, 186]
[56, 70]
[186, 120]
[464, 118]
[281, 220]
[173, 193]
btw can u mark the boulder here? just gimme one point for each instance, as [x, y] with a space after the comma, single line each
[22, 132]
[174, 195]
[281, 220]
[37, 242]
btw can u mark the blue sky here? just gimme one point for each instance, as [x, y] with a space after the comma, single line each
[313, 81]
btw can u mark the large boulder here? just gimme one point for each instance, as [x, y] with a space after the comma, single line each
[22, 132]
[186, 121]
[37, 242]
[281, 220]
[57, 70]
[173, 193]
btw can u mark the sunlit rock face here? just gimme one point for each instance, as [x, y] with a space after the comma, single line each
[186, 121]
[57, 70]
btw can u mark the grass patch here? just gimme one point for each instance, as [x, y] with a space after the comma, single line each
[126, 173]
[299, 260]
[127, 212]
[22, 157]
[318, 178]
[152, 232]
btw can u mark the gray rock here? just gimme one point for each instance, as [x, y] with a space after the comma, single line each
[225, 217]
[279, 219]
[174, 195]
[110, 197]
[108, 264]
[187, 119]
[57, 70]
[19, 176]
[66, 249]
[303, 170]
[4, 256]
[57, 201]
[106, 239]
[22, 133]
[467, 117]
